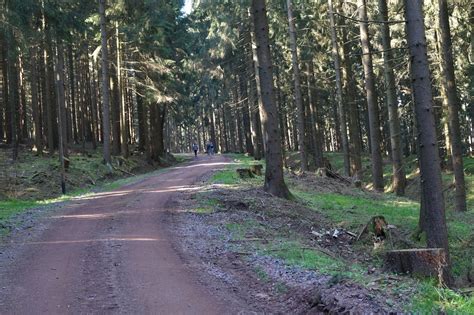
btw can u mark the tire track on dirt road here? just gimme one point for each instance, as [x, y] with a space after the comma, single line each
[110, 253]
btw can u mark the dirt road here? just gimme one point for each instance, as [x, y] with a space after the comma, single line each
[110, 253]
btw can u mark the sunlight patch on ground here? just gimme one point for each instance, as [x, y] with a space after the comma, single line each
[205, 164]
[112, 239]
[103, 195]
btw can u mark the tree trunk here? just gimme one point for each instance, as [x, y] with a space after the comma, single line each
[314, 114]
[72, 85]
[5, 86]
[34, 100]
[449, 86]
[3, 89]
[340, 105]
[471, 75]
[12, 79]
[274, 181]
[297, 86]
[22, 111]
[244, 95]
[47, 96]
[105, 84]
[373, 109]
[399, 180]
[255, 98]
[355, 143]
[115, 98]
[431, 185]
[61, 100]
[61, 109]
[124, 135]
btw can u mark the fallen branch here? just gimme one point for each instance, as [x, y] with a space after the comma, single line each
[248, 240]
[123, 171]
[350, 233]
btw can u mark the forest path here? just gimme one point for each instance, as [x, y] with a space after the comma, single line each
[110, 253]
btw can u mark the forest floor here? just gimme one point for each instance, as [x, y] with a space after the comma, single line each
[301, 255]
[249, 249]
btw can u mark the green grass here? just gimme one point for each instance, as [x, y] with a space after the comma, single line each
[431, 299]
[239, 230]
[353, 211]
[293, 253]
[12, 207]
[229, 176]
[205, 205]
[261, 274]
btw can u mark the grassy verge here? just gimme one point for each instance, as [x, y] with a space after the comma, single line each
[353, 211]
[102, 178]
[229, 176]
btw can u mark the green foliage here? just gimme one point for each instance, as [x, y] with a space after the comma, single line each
[11, 207]
[293, 253]
[229, 176]
[205, 205]
[353, 211]
[431, 299]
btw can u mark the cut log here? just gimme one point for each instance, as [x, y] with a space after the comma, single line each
[424, 262]
[327, 172]
[244, 172]
[256, 169]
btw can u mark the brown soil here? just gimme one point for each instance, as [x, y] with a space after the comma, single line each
[237, 261]
[110, 253]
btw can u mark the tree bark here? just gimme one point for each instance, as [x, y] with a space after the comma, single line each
[72, 85]
[5, 86]
[314, 118]
[399, 180]
[431, 185]
[115, 98]
[340, 104]
[254, 95]
[449, 86]
[13, 99]
[61, 100]
[274, 181]
[355, 143]
[34, 100]
[105, 84]
[61, 104]
[124, 134]
[373, 109]
[297, 88]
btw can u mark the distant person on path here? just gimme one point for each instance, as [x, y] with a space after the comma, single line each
[212, 149]
[195, 149]
[208, 148]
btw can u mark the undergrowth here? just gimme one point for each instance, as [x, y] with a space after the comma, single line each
[352, 212]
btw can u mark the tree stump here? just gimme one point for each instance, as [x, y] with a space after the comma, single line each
[357, 183]
[67, 162]
[256, 169]
[244, 172]
[425, 262]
